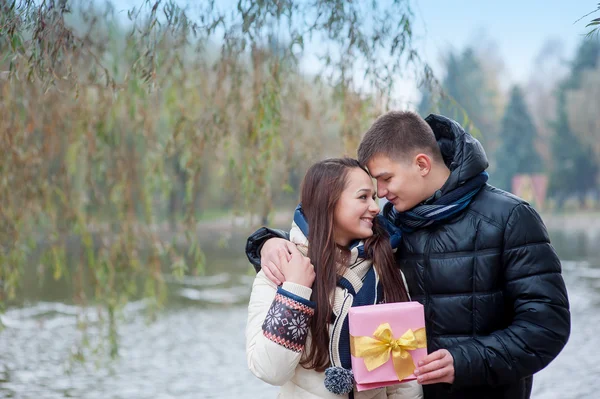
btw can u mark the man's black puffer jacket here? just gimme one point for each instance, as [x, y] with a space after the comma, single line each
[489, 280]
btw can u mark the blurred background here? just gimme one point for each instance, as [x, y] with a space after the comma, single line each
[142, 141]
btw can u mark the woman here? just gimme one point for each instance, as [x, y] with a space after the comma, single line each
[297, 334]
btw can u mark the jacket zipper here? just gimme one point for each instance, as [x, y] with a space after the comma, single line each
[426, 277]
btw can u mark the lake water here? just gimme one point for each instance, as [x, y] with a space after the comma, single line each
[196, 347]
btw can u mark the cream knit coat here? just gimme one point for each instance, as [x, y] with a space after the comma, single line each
[279, 365]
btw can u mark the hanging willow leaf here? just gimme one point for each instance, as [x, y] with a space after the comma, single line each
[594, 22]
[124, 135]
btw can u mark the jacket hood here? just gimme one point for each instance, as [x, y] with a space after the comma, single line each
[463, 154]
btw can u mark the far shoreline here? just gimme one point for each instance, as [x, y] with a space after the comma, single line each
[586, 223]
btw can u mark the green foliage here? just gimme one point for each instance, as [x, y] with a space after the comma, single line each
[574, 169]
[516, 153]
[115, 136]
[464, 95]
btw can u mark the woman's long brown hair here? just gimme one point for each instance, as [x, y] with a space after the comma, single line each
[321, 190]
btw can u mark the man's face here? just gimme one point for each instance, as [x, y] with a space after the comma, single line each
[401, 183]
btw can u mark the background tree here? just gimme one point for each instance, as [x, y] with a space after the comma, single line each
[573, 169]
[516, 153]
[470, 95]
[549, 69]
[582, 110]
[114, 133]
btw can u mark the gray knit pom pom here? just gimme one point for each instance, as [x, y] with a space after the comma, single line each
[339, 380]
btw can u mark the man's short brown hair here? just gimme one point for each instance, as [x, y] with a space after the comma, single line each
[398, 135]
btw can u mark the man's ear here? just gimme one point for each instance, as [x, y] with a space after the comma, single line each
[423, 162]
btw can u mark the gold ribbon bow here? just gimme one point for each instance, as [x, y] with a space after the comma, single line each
[376, 350]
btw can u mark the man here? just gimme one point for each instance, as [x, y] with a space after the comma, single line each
[479, 259]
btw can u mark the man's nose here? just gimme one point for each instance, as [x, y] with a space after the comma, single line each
[381, 191]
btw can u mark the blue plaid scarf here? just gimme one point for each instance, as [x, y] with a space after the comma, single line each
[447, 205]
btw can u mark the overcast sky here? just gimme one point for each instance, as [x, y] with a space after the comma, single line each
[518, 29]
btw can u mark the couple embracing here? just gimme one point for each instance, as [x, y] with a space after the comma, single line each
[477, 258]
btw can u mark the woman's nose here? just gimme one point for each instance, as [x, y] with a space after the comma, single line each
[374, 207]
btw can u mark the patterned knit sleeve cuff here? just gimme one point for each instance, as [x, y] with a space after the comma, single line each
[288, 319]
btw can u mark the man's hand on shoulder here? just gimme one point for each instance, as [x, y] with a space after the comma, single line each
[269, 258]
[435, 368]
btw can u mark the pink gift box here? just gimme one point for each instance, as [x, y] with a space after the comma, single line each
[364, 320]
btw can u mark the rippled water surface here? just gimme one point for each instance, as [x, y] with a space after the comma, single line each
[196, 347]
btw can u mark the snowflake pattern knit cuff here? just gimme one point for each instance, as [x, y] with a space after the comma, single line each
[288, 319]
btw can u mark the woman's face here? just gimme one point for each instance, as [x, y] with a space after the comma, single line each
[356, 209]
